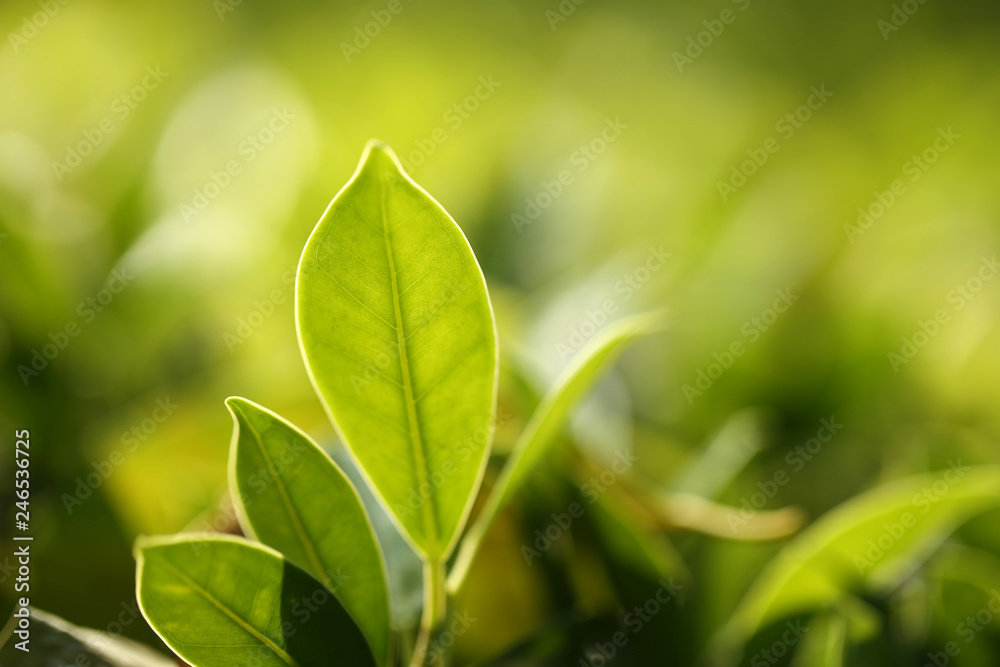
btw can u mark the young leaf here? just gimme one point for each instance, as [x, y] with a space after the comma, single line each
[220, 601]
[546, 422]
[397, 331]
[292, 497]
[868, 543]
[54, 641]
[823, 645]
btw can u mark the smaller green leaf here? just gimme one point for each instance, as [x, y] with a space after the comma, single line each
[219, 601]
[55, 643]
[869, 543]
[291, 496]
[546, 423]
[823, 645]
[724, 457]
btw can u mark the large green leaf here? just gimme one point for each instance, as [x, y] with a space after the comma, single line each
[292, 497]
[546, 423]
[868, 544]
[397, 331]
[221, 601]
[56, 643]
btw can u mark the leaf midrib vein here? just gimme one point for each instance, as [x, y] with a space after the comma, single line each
[215, 602]
[420, 460]
[293, 515]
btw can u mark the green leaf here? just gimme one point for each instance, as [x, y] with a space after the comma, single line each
[218, 601]
[546, 423]
[292, 497]
[724, 457]
[397, 331]
[869, 543]
[823, 645]
[55, 643]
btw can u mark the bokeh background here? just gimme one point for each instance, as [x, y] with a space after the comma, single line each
[118, 122]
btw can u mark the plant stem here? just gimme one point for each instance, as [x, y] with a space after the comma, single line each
[435, 603]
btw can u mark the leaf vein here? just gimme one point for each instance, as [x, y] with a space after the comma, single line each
[215, 602]
[351, 294]
[420, 461]
[293, 515]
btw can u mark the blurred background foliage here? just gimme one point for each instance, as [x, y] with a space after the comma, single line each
[207, 311]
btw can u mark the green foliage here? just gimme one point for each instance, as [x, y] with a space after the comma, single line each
[293, 498]
[542, 429]
[212, 234]
[218, 601]
[397, 331]
[398, 335]
[866, 546]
